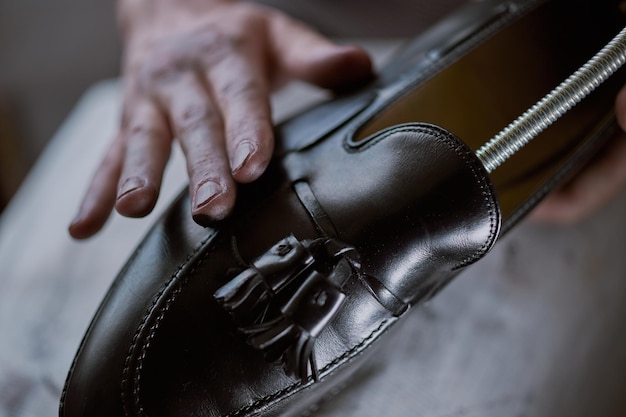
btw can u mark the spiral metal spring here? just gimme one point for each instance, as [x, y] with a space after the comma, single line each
[545, 112]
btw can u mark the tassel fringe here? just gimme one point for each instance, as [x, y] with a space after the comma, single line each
[303, 281]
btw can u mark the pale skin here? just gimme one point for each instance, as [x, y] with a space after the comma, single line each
[201, 72]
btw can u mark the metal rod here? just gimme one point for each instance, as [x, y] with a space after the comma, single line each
[545, 112]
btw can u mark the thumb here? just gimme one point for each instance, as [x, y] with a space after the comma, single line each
[302, 53]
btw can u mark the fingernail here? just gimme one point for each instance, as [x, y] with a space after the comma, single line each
[205, 193]
[130, 185]
[242, 153]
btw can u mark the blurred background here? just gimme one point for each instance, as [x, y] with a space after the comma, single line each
[50, 52]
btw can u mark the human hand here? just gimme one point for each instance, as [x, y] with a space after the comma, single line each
[596, 185]
[202, 71]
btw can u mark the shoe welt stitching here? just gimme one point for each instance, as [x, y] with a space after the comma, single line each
[138, 368]
[140, 328]
[469, 158]
[269, 398]
[439, 134]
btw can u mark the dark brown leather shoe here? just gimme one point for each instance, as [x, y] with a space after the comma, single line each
[362, 215]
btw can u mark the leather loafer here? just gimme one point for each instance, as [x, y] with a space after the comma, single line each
[370, 206]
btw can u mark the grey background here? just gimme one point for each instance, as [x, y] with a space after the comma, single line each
[50, 52]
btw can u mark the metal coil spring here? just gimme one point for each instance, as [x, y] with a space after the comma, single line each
[545, 112]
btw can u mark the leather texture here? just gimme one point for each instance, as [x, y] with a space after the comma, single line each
[268, 312]
[176, 341]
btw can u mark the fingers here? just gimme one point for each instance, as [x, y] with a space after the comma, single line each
[129, 177]
[206, 81]
[598, 183]
[197, 124]
[306, 55]
[147, 149]
[241, 87]
[100, 197]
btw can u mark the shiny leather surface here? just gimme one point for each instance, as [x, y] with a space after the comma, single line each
[410, 198]
[504, 75]
[177, 343]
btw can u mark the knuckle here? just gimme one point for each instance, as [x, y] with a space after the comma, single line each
[214, 44]
[203, 168]
[238, 90]
[218, 48]
[141, 127]
[254, 129]
[193, 115]
[109, 162]
[160, 67]
[139, 131]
